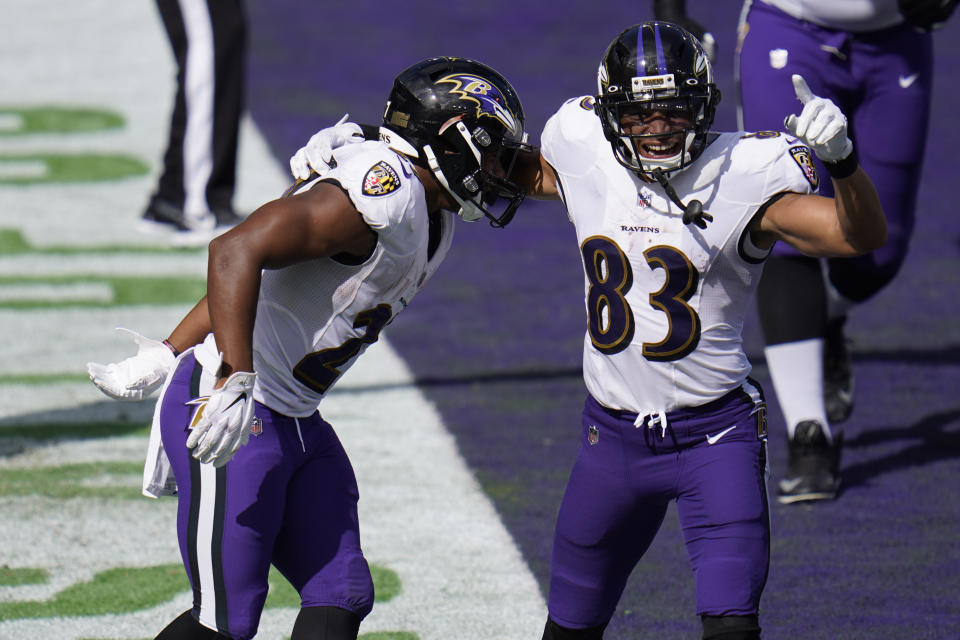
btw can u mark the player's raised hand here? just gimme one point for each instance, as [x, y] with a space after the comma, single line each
[316, 157]
[138, 376]
[225, 420]
[821, 125]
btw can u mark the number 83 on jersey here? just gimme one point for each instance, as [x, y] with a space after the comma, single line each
[610, 320]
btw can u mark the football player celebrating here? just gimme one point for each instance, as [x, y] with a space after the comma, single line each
[295, 294]
[674, 223]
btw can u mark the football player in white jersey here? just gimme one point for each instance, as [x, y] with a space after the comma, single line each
[295, 294]
[674, 223]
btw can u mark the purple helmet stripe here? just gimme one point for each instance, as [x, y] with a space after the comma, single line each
[641, 67]
[661, 61]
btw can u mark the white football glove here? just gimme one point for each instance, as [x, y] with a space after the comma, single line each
[317, 156]
[224, 425]
[821, 125]
[138, 376]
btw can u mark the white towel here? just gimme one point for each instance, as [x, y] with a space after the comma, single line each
[158, 478]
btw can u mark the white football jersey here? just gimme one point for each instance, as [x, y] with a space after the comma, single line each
[847, 15]
[315, 318]
[666, 301]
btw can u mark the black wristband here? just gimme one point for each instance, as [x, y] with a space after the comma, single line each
[172, 348]
[843, 168]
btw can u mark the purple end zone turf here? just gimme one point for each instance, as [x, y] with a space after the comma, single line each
[496, 337]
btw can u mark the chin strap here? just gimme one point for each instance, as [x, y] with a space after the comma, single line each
[693, 212]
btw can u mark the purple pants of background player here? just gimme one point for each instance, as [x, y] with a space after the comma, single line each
[882, 81]
[288, 497]
[711, 460]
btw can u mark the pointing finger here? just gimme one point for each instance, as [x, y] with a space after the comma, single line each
[804, 94]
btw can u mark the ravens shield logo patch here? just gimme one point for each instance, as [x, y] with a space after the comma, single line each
[380, 180]
[802, 157]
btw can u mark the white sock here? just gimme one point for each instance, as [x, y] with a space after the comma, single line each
[796, 369]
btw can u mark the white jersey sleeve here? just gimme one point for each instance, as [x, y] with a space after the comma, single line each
[375, 181]
[569, 139]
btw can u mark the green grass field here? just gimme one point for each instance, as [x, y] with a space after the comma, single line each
[86, 557]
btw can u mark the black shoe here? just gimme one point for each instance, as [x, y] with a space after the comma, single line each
[813, 470]
[837, 373]
[162, 216]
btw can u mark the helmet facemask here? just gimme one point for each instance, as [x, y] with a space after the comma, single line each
[656, 67]
[672, 148]
[483, 164]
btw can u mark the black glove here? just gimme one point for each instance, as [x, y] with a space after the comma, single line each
[927, 15]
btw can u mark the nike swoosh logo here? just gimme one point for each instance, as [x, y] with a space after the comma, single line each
[789, 485]
[713, 439]
[906, 81]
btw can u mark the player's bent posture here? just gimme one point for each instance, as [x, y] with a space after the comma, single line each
[295, 294]
[674, 224]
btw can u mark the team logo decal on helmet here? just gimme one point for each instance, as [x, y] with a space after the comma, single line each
[490, 102]
[380, 180]
[464, 122]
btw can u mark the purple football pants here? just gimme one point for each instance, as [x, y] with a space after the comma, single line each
[882, 82]
[617, 496]
[288, 497]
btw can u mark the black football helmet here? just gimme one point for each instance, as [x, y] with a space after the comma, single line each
[656, 66]
[460, 118]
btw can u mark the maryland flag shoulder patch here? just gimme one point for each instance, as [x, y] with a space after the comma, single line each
[380, 180]
[801, 155]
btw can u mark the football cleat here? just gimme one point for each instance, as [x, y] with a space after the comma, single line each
[837, 373]
[813, 468]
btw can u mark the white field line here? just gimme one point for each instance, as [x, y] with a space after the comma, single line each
[192, 265]
[20, 169]
[10, 122]
[422, 512]
[87, 292]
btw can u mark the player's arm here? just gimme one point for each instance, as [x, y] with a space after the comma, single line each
[850, 223]
[535, 175]
[193, 328]
[321, 222]
[318, 223]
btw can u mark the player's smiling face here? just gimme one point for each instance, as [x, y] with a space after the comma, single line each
[662, 124]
